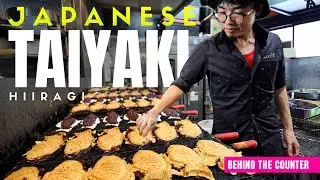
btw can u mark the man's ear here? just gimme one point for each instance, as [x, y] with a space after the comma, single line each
[262, 8]
[259, 10]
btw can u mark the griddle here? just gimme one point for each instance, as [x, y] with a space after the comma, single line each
[126, 152]
[89, 158]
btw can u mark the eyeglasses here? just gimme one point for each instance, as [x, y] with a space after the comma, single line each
[236, 18]
[209, 16]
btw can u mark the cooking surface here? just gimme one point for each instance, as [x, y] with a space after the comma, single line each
[126, 152]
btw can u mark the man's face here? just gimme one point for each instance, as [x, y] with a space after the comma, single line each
[238, 20]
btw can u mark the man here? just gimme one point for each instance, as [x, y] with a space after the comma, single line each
[246, 73]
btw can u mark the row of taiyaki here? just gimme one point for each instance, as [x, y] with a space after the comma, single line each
[125, 88]
[178, 160]
[80, 143]
[98, 94]
[84, 140]
[89, 122]
[116, 97]
[111, 118]
[113, 105]
[90, 101]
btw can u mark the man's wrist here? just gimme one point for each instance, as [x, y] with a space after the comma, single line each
[288, 128]
[155, 110]
[287, 123]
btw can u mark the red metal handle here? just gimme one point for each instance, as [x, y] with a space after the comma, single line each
[191, 112]
[245, 145]
[177, 106]
[227, 136]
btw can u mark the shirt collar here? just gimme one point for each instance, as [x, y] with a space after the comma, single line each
[261, 35]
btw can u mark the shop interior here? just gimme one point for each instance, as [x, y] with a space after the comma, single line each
[296, 22]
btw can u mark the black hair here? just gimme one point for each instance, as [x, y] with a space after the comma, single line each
[244, 3]
[261, 6]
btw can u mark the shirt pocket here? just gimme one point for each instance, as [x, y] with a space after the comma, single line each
[266, 72]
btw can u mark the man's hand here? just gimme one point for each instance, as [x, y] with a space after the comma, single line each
[285, 115]
[147, 122]
[292, 143]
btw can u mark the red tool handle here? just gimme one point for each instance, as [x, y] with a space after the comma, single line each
[245, 145]
[191, 112]
[227, 136]
[177, 106]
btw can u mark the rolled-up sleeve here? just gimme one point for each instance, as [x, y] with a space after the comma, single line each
[280, 81]
[193, 70]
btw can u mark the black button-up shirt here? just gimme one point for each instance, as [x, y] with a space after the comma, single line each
[242, 98]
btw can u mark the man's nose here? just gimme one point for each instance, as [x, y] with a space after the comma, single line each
[228, 21]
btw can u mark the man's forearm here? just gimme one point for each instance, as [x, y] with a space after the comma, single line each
[282, 103]
[172, 94]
